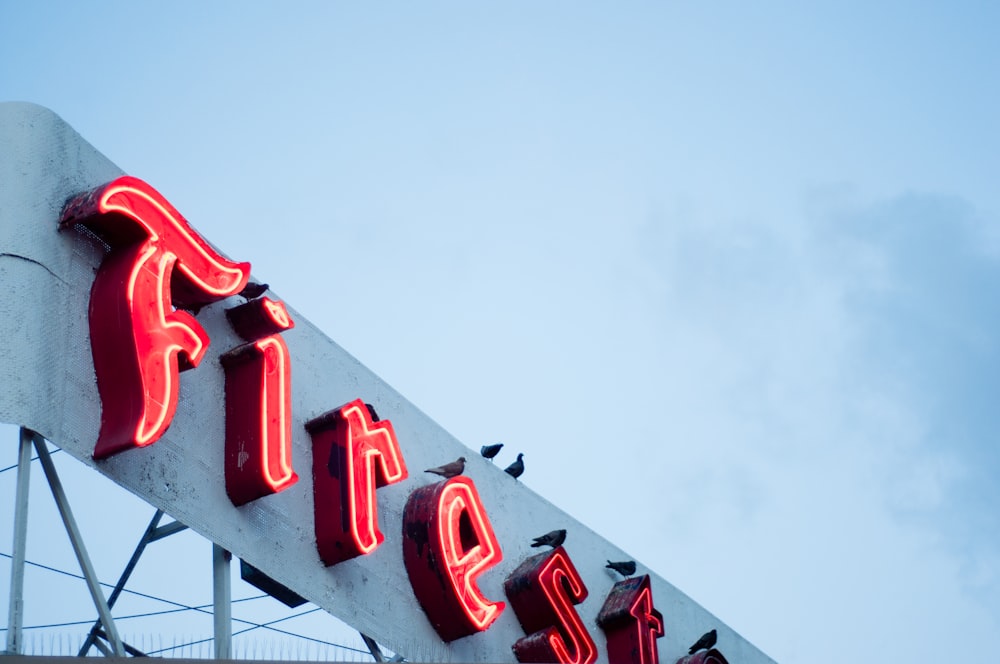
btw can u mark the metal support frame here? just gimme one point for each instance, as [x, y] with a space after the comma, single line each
[376, 651]
[103, 647]
[153, 533]
[103, 610]
[222, 597]
[103, 634]
[15, 614]
[372, 647]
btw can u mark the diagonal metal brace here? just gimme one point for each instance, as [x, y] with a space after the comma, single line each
[153, 533]
[132, 650]
[373, 647]
[78, 547]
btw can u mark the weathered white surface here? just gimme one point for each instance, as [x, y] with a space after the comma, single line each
[48, 385]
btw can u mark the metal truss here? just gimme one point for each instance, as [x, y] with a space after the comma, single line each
[103, 634]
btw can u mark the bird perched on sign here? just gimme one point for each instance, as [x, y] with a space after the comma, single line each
[456, 467]
[517, 468]
[253, 290]
[626, 567]
[554, 538]
[490, 451]
[706, 641]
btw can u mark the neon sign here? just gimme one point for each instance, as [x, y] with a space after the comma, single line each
[630, 622]
[157, 273]
[354, 453]
[448, 543]
[542, 591]
[139, 340]
[258, 403]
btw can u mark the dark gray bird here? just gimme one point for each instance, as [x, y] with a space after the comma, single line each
[490, 451]
[554, 538]
[456, 467]
[252, 291]
[706, 641]
[517, 468]
[626, 567]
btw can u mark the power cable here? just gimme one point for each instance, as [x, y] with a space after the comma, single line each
[133, 616]
[52, 451]
[268, 626]
[181, 607]
[201, 609]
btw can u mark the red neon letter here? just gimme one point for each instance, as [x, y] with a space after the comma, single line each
[353, 454]
[448, 543]
[258, 403]
[138, 340]
[630, 622]
[542, 591]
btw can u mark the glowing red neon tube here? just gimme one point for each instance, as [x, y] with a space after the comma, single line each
[353, 454]
[542, 592]
[631, 623]
[448, 543]
[258, 403]
[139, 340]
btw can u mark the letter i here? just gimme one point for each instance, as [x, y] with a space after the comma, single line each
[258, 403]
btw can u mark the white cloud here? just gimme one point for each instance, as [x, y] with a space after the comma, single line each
[806, 467]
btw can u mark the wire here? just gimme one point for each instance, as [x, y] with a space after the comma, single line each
[200, 609]
[136, 615]
[106, 585]
[52, 451]
[181, 607]
[267, 626]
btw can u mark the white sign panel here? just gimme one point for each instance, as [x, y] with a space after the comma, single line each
[383, 586]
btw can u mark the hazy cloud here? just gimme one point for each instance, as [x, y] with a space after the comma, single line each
[833, 378]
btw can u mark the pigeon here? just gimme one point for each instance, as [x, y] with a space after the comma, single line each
[252, 290]
[515, 469]
[706, 641]
[449, 469]
[553, 539]
[371, 411]
[626, 567]
[490, 451]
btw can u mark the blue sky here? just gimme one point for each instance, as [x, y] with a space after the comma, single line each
[735, 266]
